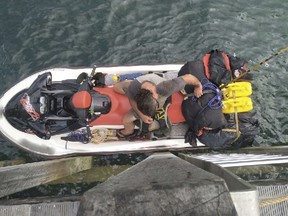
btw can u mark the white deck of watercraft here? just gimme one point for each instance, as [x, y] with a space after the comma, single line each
[55, 146]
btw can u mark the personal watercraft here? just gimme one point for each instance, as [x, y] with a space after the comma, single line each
[75, 111]
[72, 111]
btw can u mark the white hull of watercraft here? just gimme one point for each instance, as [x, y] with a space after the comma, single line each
[57, 147]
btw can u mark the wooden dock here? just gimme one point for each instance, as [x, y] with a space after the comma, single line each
[18, 175]
[24, 176]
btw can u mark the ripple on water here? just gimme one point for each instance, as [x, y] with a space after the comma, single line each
[46, 34]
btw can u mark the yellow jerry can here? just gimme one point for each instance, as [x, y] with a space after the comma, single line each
[240, 104]
[237, 89]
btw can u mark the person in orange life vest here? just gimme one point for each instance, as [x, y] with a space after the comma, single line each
[204, 115]
[148, 93]
[216, 66]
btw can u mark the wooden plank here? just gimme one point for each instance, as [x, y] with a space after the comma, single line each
[24, 176]
[100, 174]
[262, 171]
[39, 200]
[12, 162]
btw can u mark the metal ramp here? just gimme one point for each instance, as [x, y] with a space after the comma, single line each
[235, 160]
[243, 194]
[44, 209]
[273, 199]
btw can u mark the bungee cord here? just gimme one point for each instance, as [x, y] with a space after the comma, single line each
[256, 66]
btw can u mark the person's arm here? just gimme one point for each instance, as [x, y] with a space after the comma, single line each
[189, 79]
[146, 119]
[121, 87]
[168, 87]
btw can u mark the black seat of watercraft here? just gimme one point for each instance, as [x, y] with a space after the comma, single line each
[55, 103]
[49, 108]
[78, 101]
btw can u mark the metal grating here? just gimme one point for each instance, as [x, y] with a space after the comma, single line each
[273, 200]
[44, 209]
[12, 210]
[234, 160]
[55, 209]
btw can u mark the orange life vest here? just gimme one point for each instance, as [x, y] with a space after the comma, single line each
[206, 59]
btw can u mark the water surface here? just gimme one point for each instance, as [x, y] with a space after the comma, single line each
[43, 34]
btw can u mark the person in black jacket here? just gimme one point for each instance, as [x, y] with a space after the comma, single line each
[204, 115]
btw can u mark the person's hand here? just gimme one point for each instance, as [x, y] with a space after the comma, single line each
[147, 119]
[198, 91]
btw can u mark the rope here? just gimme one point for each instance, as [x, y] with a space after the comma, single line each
[273, 201]
[216, 101]
[236, 119]
[256, 66]
[103, 135]
[98, 137]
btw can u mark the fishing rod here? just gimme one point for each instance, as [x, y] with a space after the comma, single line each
[256, 66]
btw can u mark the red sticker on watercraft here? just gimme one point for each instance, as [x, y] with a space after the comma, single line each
[25, 101]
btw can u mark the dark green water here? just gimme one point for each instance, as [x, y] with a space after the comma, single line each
[38, 34]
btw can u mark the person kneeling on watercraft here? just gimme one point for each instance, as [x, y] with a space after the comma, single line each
[147, 94]
[204, 115]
